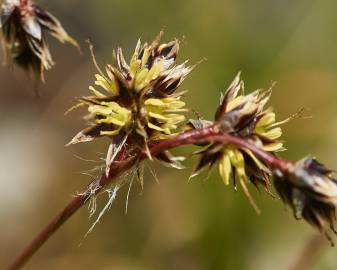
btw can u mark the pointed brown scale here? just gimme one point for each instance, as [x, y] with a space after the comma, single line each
[283, 188]
[89, 134]
[232, 90]
[121, 77]
[156, 42]
[121, 63]
[312, 218]
[169, 160]
[256, 175]
[93, 100]
[53, 26]
[169, 50]
[207, 160]
[164, 87]
[319, 167]
[244, 123]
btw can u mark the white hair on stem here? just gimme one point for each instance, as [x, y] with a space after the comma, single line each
[127, 195]
[127, 178]
[91, 196]
[153, 173]
[112, 193]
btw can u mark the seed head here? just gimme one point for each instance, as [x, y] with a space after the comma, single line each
[310, 189]
[24, 25]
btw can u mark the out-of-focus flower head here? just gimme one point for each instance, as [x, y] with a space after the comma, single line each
[310, 189]
[138, 102]
[244, 116]
[24, 25]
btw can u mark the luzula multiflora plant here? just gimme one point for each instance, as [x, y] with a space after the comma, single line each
[24, 25]
[138, 107]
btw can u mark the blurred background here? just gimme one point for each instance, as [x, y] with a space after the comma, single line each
[175, 224]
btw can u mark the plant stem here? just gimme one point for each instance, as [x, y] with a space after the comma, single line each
[204, 135]
[311, 253]
[64, 215]
[210, 134]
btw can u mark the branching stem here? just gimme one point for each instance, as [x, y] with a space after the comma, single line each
[196, 136]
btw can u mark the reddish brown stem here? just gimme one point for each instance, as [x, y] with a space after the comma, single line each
[210, 134]
[205, 135]
[310, 255]
[64, 215]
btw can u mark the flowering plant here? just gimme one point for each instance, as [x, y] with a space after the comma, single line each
[138, 107]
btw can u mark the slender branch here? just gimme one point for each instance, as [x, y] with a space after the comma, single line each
[311, 253]
[76, 203]
[205, 135]
[211, 134]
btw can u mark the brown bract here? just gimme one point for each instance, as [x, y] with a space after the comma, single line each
[24, 25]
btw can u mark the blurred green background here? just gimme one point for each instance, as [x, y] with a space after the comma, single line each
[175, 224]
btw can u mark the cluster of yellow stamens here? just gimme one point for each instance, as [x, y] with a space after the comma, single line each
[139, 98]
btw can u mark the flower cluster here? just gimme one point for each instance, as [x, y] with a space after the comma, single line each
[244, 116]
[24, 25]
[137, 102]
[310, 189]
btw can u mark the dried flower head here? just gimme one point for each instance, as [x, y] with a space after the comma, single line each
[138, 101]
[310, 189]
[24, 25]
[244, 116]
